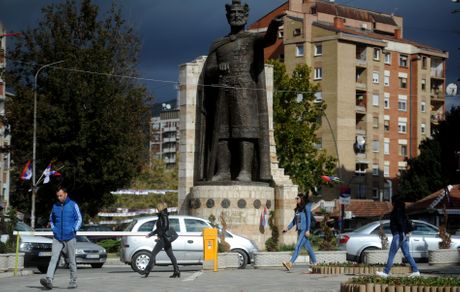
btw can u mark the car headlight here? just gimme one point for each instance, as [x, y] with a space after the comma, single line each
[102, 251]
[79, 251]
[25, 247]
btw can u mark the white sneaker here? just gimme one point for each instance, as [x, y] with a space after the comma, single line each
[381, 274]
[414, 274]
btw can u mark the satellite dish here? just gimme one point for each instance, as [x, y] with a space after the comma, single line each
[361, 141]
[451, 89]
[168, 106]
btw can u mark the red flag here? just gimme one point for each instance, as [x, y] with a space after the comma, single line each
[26, 173]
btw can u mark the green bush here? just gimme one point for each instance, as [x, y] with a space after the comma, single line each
[406, 281]
[287, 247]
[271, 244]
[110, 245]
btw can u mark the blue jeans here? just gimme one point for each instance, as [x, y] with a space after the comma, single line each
[399, 241]
[303, 241]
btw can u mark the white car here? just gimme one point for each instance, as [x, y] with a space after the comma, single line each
[188, 248]
[425, 237]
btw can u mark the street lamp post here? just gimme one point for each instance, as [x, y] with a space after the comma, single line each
[34, 143]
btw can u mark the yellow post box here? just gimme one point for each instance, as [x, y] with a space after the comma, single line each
[210, 246]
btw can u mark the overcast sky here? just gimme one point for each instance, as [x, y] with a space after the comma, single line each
[174, 32]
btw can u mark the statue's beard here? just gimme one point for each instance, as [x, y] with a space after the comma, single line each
[238, 21]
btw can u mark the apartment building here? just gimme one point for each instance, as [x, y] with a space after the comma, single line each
[165, 135]
[5, 137]
[383, 92]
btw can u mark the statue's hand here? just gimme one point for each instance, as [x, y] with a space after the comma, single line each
[279, 20]
[224, 67]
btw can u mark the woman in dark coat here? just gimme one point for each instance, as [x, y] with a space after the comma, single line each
[400, 229]
[162, 225]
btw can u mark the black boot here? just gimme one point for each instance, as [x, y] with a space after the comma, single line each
[176, 273]
[147, 271]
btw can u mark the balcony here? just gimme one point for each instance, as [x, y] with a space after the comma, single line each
[169, 129]
[437, 95]
[169, 150]
[361, 62]
[361, 86]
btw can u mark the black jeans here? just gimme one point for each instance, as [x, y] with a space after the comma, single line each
[166, 245]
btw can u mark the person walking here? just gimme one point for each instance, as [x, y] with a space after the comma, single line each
[65, 221]
[302, 222]
[400, 229]
[162, 225]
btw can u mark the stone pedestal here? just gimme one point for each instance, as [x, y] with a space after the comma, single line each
[193, 198]
[241, 205]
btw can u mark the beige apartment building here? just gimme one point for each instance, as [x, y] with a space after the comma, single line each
[383, 92]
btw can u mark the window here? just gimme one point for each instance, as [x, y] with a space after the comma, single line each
[147, 226]
[318, 49]
[422, 128]
[297, 31]
[403, 60]
[386, 168]
[386, 146]
[386, 100]
[423, 107]
[376, 54]
[375, 77]
[387, 58]
[195, 225]
[299, 50]
[402, 82]
[423, 83]
[403, 150]
[318, 73]
[386, 78]
[375, 169]
[318, 96]
[402, 127]
[402, 103]
[375, 122]
[375, 193]
[375, 100]
[174, 223]
[386, 125]
[375, 146]
[360, 168]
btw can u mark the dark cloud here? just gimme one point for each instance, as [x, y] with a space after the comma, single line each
[177, 31]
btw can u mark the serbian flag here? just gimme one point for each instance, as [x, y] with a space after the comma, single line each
[48, 173]
[26, 173]
[331, 179]
[263, 220]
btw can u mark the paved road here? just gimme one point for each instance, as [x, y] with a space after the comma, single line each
[122, 278]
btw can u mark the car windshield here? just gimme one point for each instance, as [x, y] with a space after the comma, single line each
[81, 238]
[131, 225]
[21, 226]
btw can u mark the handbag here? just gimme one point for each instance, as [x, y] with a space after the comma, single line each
[171, 234]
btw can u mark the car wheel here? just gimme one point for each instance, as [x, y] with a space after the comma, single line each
[361, 256]
[242, 258]
[140, 261]
[42, 269]
[97, 266]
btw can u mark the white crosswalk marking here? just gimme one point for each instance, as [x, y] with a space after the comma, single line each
[193, 276]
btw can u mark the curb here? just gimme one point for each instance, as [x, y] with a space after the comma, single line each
[18, 274]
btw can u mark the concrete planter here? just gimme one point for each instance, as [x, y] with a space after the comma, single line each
[228, 260]
[331, 256]
[371, 287]
[225, 260]
[274, 259]
[444, 257]
[357, 270]
[8, 262]
[380, 256]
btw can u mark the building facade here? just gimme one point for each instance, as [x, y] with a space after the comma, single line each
[383, 92]
[164, 137]
[5, 137]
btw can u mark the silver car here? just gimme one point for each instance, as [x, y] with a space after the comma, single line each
[188, 248]
[425, 237]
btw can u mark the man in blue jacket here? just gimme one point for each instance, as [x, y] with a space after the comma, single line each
[65, 220]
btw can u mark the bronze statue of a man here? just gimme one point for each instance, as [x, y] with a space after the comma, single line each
[236, 143]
